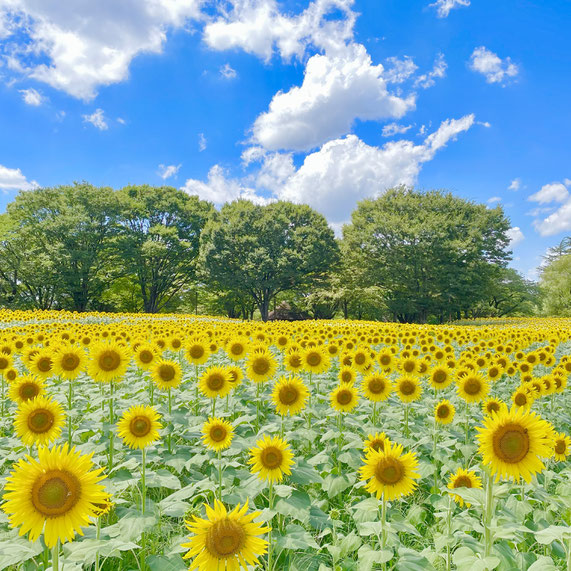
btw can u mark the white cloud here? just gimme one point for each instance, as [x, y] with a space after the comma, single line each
[553, 192]
[258, 27]
[32, 97]
[228, 72]
[399, 70]
[567, 181]
[97, 119]
[202, 142]
[515, 184]
[443, 7]
[491, 66]
[559, 221]
[494, 199]
[78, 45]
[395, 129]
[438, 72]
[220, 189]
[121, 121]
[335, 91]
[516, 236]
[167, 171]
[13, 179]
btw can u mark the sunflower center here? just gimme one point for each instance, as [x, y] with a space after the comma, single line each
[261, 366]
[492, 407]
[55, 493]
[146, 356]
[344, 397]
[70, 362]
[376, 386]
[196, 351]
[237, 349]
[225, 538]
[360, 358]
[520, 399]
[439, 377]
[313, 359]
[346, 376]
[493, 372]
[175, 343]
[295, 360]
[218, 433]
[443, 411]
[271, 457]
[140, 426]
[560, 447]
[463, 482]
[29, 391]
[511, 443]
[389, 471]
[215, 382]
[40, 420]
[11, 375]
[44, 364]
[166, 373]
[472, 386]
[377, 444]
[407, 388]
[288, 395]
[3, 362]
[385, 360]
[109, 360]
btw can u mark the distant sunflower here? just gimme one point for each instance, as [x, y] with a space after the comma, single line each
[236, 375]
[41, 364]
[25, 388]
[408, 389]
[215, 382]
[473, 387]
[440, 377]
[293, 361]
[271, 458]
[217, 434]
[347, 374]
[376, 442]
[139, 426]
[377, 387]
[289, 395]
[561, 447]
[225, 541]
[386, 359]
[444, 412]
[145, 354]
[57, 493]
[39, 421]
[512, 443]
[409, 365]
[261, 366]
[108, 362]
[237, 348]
[522, 398]
[197, 351]
[6, 363]
[69, 361]
[492, 406]
[316, 360]
[390, 472]
[166, 374]
[463, 479]
[344, 398]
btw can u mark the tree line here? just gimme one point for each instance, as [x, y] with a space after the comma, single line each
[407, 255]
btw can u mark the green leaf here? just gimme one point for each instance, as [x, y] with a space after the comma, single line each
[334, 485]
[296, 506]
[164, 563]
[305, 474]
[163, 479]
[552, 533]
[296, 537]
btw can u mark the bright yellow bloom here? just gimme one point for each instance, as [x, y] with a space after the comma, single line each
[561, 447]
[408, 389]
[440, 377]
[69, 361]
[344, 398]
[215, 382]
[444, 412]
[376, 441]
[25, 388]
[108, 362]
[261, 365]
[377, 387]
[271, 458]
[463, 479]
[289, 395]
[473, 388]
[166, 374]
[217, 434]
[139, 426]
[39, 421]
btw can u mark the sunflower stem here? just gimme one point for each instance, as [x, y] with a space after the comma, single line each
[220, 475]
[170, 423]
[214, 407]
[143, 482]
[375, 413]
[2, 397]
[467, 424]
[196, 389]
[111, 421]
[257, 407]
[406, 432]
[152, 391]
[55, 556]
[282, 426]
[434, 445]
[383, 527]
[69, 401]
[449, 532]
[488, 509]
[339, 440]
[271, 507]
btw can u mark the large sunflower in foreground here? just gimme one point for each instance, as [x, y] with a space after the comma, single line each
[271, 458]
[513, 442]
[59, 491]
[289, 395]
[39, 421]
[463, 479]
[225, 541]
[390, 472]
[139, 426]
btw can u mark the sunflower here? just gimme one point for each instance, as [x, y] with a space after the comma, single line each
[60, 491]
[347, 374]
[444, 412]
[108, 362]
[463, 479]
[386, 359]
[41, 364]
[166, 374]
[261, 366]
[377, 387]
[68, 361]
[292, 361]
[473, 387]
[440, 377]
[522, 398]
[512, 443]
[362, 360]
[139, 426]
[376, 441]
[271, 458]
[408, 389]
[145, 354]
[409, 365]
[344, 398]
[236, 375]
[561, 446]
[198, 351]
[225, 541]
[217, 434]
[215, 382]
[390, 472]
[5, 363]
[237, 348]
[25, 388]
[39, 421]
[289, 395]
[492, 406]
[316, 360]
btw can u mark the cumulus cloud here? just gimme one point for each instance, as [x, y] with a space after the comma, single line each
[559, 221]
[515, 184]
[492, 67]
[516, 236]
[553, 192]
[560, 218]
[335, 91]
[78, 46]
[32, 97]
[494, 199]
[168, 171]
[13, 179]
[443, 7]
[97, 119]
[258, 27]
[395, 129]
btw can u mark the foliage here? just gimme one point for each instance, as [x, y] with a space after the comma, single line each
[556, 286]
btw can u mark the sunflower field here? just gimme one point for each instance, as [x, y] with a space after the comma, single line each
[169, 442]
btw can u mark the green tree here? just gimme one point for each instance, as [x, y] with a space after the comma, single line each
[555, 284]
[159, 240]
[261, 251]
[512, 294]
[431, 252]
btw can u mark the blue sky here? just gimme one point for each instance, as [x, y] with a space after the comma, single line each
[324, 101]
